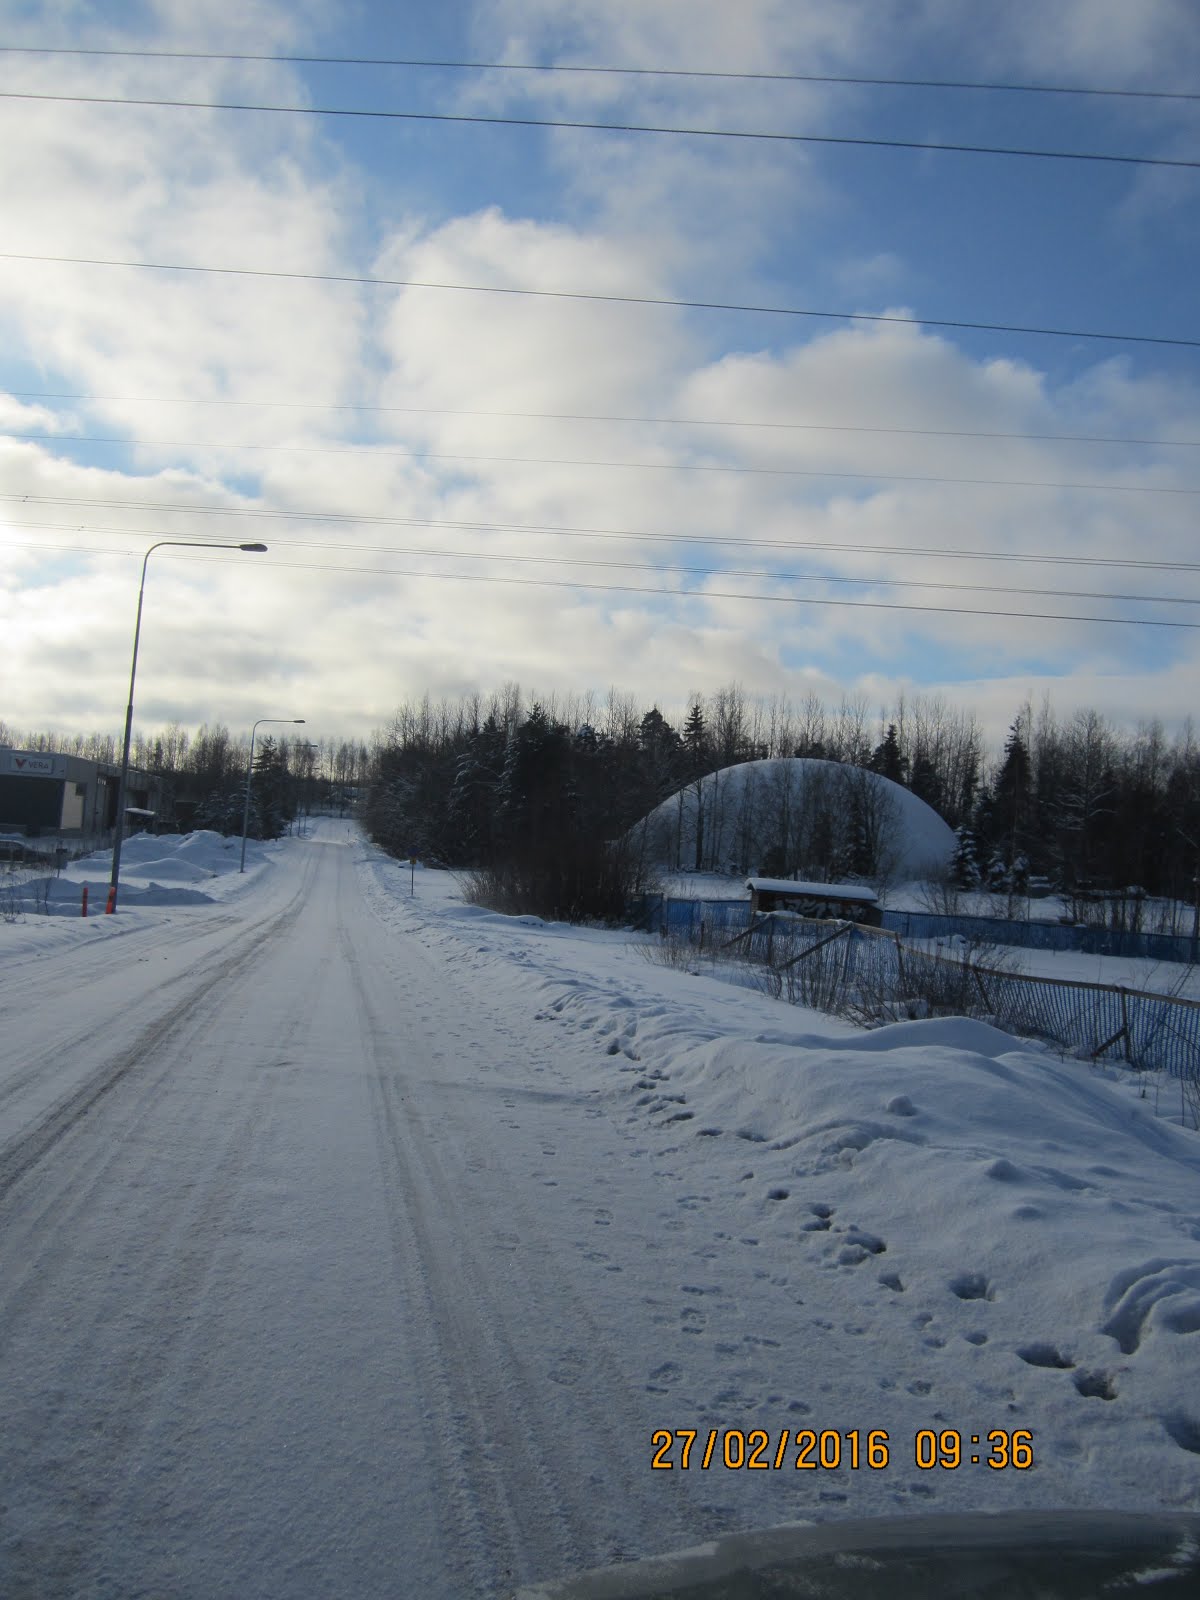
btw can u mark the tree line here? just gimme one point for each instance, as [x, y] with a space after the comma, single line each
[1077, 803]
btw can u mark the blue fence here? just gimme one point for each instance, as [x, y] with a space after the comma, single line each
[878, 976]
[1044, 935]
[655, 911]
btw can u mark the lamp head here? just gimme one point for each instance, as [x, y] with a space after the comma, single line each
[256, 549]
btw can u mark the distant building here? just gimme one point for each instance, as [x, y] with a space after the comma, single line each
[43, 793]
[852, 902]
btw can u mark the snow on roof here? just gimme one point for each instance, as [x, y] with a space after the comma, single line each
[814, 891]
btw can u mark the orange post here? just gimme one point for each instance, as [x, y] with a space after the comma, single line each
[111, 904]
[83, 909]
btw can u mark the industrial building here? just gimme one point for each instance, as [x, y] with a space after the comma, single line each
[44, 793]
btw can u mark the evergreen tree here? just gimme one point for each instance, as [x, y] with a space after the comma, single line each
[695, 740]
[925, 782]
[887, 760]
[964, 865]
[1010, 807]
[696, 763]
[269, 790]
[474, 795]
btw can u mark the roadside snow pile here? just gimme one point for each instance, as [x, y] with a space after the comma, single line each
[168, 869]
[178, 858]
[163, 870]
[965, 1231]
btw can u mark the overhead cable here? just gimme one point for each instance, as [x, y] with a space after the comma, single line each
[478, 119]
[661, 568]
[600, 299]
[591, 416]
[646, 536]
[693, 594]
[379, 453]
[549, 68]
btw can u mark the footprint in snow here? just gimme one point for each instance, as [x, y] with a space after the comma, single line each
[1095, 1385]
[1184, 1430]
[971, 1286]
[568, 1368]
[1041, 1354]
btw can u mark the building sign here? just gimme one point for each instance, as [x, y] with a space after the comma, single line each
[23, 764]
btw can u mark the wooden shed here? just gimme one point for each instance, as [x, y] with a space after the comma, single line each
[852, 902]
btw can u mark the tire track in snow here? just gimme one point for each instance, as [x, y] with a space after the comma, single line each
[92, 1454]
[28, 1148]
[544, 1498]
[484, 1529]
[36, 1223]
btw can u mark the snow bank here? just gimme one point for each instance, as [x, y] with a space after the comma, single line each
[972, 1233]
[159, 873]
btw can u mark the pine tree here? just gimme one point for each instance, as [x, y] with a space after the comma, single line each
[695, 740]
[1011, 804]
[269, 789]
[964, 865]
[887, 760]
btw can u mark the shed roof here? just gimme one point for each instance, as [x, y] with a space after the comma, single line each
[814, 891]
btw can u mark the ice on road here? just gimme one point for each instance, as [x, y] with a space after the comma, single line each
[358, 1243]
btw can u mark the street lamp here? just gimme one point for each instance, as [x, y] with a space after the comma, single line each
[249, 774]
[118, 837]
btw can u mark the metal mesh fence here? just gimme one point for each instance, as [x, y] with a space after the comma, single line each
[873, 975]
[1086, 1019]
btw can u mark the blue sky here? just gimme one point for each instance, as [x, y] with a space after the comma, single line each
[404, 449]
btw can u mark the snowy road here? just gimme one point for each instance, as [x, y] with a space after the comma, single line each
[356, 1245]
[266, 1328]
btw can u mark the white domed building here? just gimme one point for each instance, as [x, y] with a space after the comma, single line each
[798, 817]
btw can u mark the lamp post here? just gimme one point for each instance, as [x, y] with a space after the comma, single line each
[119, 833]
[250, 773]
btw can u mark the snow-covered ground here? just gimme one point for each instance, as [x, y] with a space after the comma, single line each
[359, 1241]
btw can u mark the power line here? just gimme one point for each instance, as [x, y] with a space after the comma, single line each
[610, 71]
[694, 594]
[618, 534]
[478, 119]
[635, 466]
[661, 568]
[602, 299]
[585, 416]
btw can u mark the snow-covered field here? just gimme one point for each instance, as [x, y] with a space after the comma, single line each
[360, 1241]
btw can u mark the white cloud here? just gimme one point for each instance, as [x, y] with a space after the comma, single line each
[260, 635]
